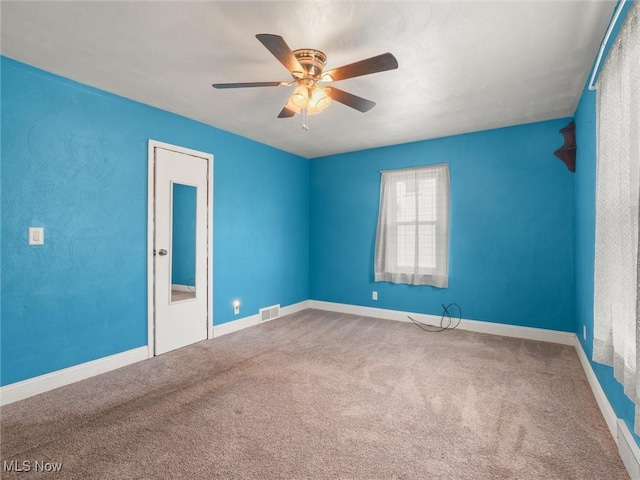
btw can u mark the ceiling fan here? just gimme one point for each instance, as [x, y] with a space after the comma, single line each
[306, 67]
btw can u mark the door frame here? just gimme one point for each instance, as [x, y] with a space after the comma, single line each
[152, 145]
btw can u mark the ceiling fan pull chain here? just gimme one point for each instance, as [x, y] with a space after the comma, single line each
[305, 125]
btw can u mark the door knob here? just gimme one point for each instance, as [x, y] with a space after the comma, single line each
[162, 252]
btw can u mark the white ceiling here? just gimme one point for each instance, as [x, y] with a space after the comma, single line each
[463, 66]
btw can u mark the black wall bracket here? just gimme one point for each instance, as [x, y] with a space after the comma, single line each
[567, 152]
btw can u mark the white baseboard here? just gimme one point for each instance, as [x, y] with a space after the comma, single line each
[629, 451]
[250, 321]
[627, 446]
[181, 288]
[235, 325]
[529, 333]
[294, 308]
[43, 383]
[602, 400]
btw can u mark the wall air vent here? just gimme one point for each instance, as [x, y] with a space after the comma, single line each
[269, 313]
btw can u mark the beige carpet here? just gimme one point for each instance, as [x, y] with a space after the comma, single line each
[320, 395]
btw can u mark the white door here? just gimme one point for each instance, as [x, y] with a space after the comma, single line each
[180, 249]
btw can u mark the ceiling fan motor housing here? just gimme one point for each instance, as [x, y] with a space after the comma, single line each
[313, 61]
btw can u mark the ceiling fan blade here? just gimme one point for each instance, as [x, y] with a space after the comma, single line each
[248, 84]
[286, 113]
[350, 100]
[279, 49]
[379, 63]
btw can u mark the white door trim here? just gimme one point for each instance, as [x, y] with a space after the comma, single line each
[150, 234]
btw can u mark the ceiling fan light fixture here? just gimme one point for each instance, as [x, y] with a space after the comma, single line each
[300, 97]
[319, 99]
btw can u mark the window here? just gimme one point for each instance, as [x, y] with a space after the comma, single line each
[412, 243]
[616, 302]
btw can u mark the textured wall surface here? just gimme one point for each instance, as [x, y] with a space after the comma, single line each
[74, 161]
[511, 231]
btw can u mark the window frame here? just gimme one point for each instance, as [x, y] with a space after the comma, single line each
[387, 266]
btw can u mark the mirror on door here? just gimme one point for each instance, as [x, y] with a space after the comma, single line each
[183, 248]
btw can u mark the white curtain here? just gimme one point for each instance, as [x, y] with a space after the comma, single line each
[412, 242]
[617, 269]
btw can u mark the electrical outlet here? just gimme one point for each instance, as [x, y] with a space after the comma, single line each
[374, 295]
[584, 332]
[236, 307]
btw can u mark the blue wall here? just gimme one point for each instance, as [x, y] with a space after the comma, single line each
[511, 243]
[74, 161]
[585, 208]
[183, 247]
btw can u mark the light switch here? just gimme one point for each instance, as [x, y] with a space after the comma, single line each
[36, 236]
